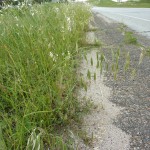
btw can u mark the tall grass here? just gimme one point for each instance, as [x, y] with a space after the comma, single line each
[37, 71]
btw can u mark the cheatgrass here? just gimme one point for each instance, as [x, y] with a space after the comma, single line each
[37, 72]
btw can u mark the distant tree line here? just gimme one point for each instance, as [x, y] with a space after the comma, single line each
[145, 1]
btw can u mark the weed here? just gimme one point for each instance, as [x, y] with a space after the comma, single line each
[38, 47]
[89, 74]
[133, 73]
[86, 138]
[148, 52]
[97, 43]
[94, 76]
[129, 38]
[83, 84]
[145, 52]
[91, 61]
[127, 63]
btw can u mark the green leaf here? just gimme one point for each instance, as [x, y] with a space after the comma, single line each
[89, 74]
[94, 76]
[91, 62]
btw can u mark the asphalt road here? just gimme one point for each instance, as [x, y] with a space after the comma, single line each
[137, 19]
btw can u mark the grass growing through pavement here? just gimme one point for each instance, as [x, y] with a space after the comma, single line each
[132, 4]
[37, 72]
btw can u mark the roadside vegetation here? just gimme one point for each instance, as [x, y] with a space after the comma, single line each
[129, 38]
[38, 51]
[130, 3]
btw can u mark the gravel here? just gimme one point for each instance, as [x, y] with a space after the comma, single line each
[133, 94]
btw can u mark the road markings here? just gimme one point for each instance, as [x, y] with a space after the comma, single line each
[133, 17]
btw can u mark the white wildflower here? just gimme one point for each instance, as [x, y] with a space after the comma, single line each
[69, 23]
[68, 20]
[56, 9]
[16, 18]
[62, 29]
[69, 53]
[51, 55]
[68, 56]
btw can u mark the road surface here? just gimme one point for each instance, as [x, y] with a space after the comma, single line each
[137, 19]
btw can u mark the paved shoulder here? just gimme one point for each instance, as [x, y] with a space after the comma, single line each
[136, 18]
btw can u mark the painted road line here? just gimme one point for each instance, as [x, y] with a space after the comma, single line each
[133, 17]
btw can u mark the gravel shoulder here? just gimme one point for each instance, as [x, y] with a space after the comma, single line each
[133, 94]
[99, 122]
[121, 118]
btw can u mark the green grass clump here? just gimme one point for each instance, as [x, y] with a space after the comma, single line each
[129, 38]
[37, 71]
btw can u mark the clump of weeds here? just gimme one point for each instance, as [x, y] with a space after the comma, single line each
[129, 38]
[38, 47]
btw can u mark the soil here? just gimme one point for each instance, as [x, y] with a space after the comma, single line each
[120, 119]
